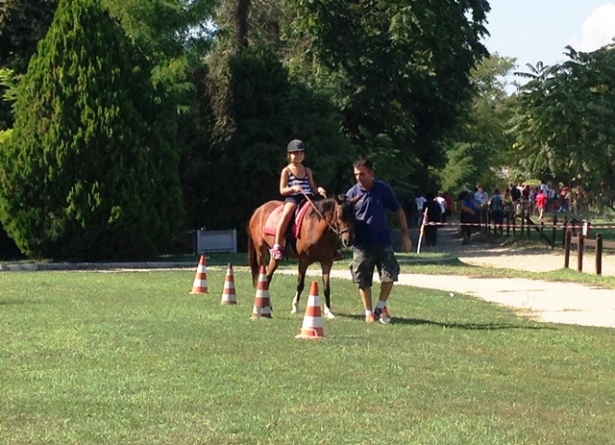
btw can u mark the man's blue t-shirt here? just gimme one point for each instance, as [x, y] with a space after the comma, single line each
[371, 207]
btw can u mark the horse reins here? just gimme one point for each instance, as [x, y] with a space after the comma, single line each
[334, 229]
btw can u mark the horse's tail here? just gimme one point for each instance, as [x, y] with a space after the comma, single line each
[252, 259]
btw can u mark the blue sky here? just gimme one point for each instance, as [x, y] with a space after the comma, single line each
[539, 30]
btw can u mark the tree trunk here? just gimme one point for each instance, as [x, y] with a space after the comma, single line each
[241, 24]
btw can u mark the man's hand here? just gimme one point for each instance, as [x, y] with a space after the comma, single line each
[406, 244]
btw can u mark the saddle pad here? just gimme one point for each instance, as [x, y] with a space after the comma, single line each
[272, 221]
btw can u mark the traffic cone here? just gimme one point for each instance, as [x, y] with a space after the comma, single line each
[199, 286]
[262, 308]
[312, 322]
[228, 293]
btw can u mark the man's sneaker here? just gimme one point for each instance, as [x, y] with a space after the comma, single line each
[370, 318]
[277, 252]
[382, 315]
[338, 255]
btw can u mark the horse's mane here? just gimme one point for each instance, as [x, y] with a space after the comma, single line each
[348, 210]
[327, 205]
[324, 206]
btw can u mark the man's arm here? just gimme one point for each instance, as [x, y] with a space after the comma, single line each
[406, 244]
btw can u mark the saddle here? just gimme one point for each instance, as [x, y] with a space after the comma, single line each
[294, 228]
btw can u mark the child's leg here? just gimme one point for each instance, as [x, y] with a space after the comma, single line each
[288, 211]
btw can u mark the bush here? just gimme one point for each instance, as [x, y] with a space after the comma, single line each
[88, 173]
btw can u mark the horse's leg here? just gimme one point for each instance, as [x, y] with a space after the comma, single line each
[300, 285]
[326, 272]
[260, 256]
[271, 268]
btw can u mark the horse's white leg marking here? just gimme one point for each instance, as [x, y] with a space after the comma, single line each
[295, 308]
[328, 313]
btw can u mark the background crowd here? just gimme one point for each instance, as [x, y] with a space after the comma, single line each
[479, 205]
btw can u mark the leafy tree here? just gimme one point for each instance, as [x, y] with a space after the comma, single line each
[267, 110]
[176, 35]
[481, 146]
[22, 24]
[87, 172]
[402, 69]
[258, 108]
[562, 125]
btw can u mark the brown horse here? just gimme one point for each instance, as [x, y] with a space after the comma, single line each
[325, 223]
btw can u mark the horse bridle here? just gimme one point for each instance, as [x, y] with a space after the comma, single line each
[334, 229]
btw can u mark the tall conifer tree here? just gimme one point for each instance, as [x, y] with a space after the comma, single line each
[89, 171]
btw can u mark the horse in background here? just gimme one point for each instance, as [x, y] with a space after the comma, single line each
[323, 224]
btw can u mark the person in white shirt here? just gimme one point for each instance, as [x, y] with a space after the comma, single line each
[442, 202]
[420, 203]
[481, 197]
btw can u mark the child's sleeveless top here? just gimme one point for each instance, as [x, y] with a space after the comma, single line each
[303, 182]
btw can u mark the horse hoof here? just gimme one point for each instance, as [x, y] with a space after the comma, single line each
[329, 314]
[294, 310]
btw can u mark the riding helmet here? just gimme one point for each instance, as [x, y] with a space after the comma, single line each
[295, 145]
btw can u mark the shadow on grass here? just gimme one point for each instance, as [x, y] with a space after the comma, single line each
[15, 302]
[440, 261]
[468, 326]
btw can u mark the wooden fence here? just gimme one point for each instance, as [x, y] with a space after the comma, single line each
[582, 242]
[520, 225]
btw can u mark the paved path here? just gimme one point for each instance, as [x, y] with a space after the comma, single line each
[547, 301]
[566, 303]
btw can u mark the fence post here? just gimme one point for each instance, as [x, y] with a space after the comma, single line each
[565, 229]
[598, 254]
[567, 237]
[581, 249]
[554, 231]
[487, 219]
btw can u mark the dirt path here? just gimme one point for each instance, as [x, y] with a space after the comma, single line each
[483, 251]
[547, 301]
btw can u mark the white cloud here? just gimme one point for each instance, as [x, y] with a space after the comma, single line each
[597, 30]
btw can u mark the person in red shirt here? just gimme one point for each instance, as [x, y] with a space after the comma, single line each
[541, 203]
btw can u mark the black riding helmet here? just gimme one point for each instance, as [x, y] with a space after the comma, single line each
[295, 145]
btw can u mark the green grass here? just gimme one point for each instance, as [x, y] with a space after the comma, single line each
[132, 358]
[442, 264]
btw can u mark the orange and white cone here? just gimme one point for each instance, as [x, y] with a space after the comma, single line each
[312, 322]
[199, 286]
[228, 293]
[262, 307]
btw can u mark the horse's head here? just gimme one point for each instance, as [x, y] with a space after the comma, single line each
[344, 219]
